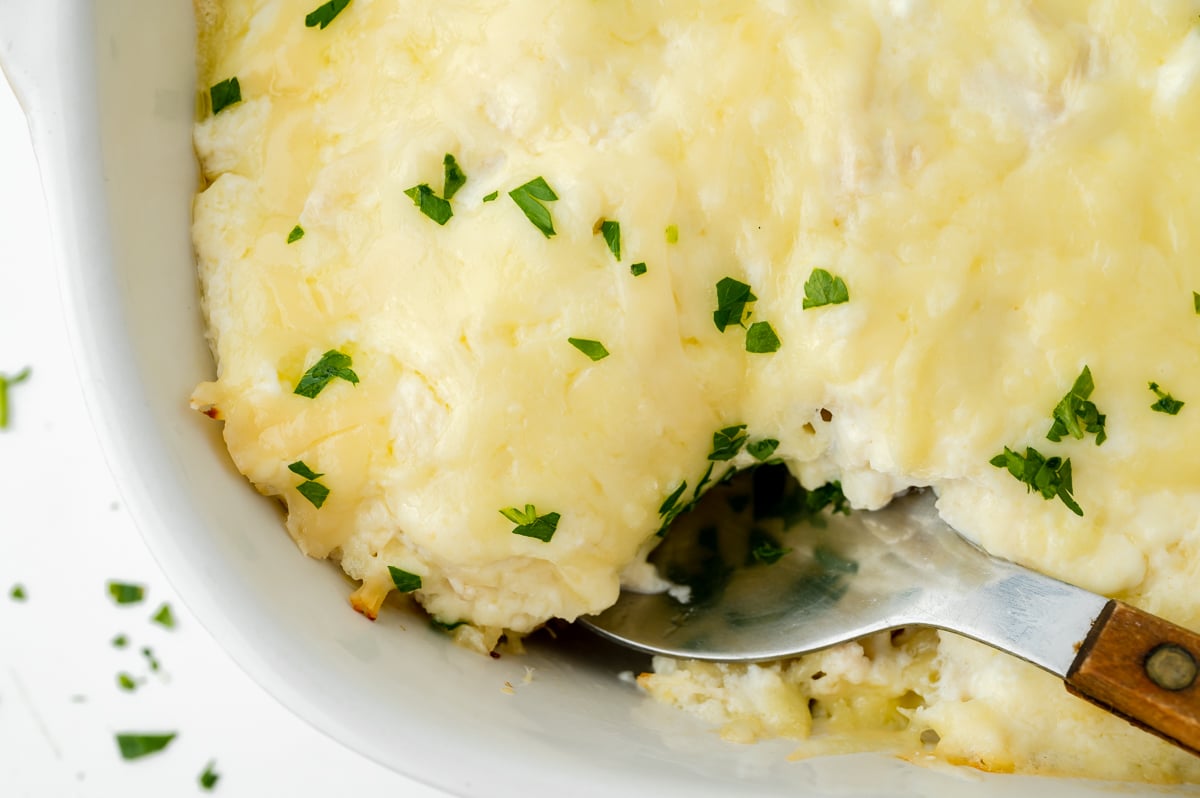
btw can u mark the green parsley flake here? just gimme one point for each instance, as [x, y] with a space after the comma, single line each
[164, 617]
[151, 661]
[732, 298]
[761, 338]
[1166, 403]
[671, 508]
[7, 382]
[224, 94]
[727, 442]
[612, 236]
[136, 746]
[208, 779]
[126, 682]
[530, 524]
[822, 288]
[672, 234]
[332, 365]
[1074, 414]
[120, 641]
[529, 199]
[456, 178]
[404, 581]
[762, 449]
[1049, 476]
[123, 593]
[704, 481]
[491, 197]
[637, 269]
[429, 203]
[301, 469]
[296, 234]
[324, 14]
[315, 492]
[828, 495]
[669, 503]
[17, 593]
[593, 349]
[1196, 302]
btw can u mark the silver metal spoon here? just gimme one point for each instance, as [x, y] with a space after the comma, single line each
[846, 576]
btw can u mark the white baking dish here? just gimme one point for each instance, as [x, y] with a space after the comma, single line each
[108, 87]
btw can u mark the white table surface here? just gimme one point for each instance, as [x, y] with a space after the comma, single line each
[64, 535]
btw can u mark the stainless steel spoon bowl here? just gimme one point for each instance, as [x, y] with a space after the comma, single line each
[785, 588]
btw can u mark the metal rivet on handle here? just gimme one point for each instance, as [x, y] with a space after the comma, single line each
[1171, 667]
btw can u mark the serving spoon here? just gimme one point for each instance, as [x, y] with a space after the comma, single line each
[774, 581]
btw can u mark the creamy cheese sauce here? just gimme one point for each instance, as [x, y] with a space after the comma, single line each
[1008, 191]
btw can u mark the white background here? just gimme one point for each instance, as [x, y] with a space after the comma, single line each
[64, 535]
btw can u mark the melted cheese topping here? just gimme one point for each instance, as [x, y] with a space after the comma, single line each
[1007, 189]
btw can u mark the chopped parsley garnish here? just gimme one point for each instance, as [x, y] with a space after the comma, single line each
[529, 199]
[761, 338]
[670, 508]
[762, 449]
[828, 495]
[324, 14]
[310, 489]
[1196, 302]
[593, 349]
[136, 746]
[315, 492]
[1166, 403]
[404, 581]
[491, 197]
[164, 617]
[1074, 414]
[822, 288]
[1049, 476]
[126, 682]
[151, 661]
[456, 178]
[637, 269]
[668, 504]
[530, 524]
[120, 641]
[612, 236]
[672, 234]
[123, 593]
[732, 298]
[301, 469]
[17, 593]
[224, 94]
[208, 779]
[429, 203]
[296, 234]
[728, 442]
[703, 481]
[332, 365]
[7, 382]
[777, 495]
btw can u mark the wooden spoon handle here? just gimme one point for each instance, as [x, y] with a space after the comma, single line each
[1143, 669]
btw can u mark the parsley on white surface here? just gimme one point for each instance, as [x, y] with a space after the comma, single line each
[62, 705]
